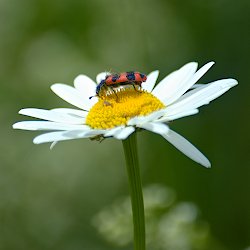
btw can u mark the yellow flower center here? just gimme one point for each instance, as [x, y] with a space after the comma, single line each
[117, 108]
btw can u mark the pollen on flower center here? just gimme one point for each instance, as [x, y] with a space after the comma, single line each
[117, 108]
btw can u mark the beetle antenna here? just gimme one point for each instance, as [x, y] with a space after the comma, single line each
[92, 96]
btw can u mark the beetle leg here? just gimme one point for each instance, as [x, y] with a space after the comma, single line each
[117, 98]
[134, 84]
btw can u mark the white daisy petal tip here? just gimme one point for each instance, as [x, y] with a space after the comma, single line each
[153, 74]
[55, 86]
[210, 63]
[191, 65]
[58, 87]
[15, 125]
[23, 111]
[52, 115]
[232, 82]
[53, 145]
[174, 85]
[101, 76]
[80, 78]
[206, 67]
[78, 96]
[188, 149]
[22, 125]
[83, 82]
[207, 164]
[151, 80]
[36, 141]
[124, 133]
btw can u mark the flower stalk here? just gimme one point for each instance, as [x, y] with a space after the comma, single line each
[131, 155]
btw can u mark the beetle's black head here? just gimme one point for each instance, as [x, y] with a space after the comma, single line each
[99, 86]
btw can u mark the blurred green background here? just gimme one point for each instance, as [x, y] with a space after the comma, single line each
[49, 198]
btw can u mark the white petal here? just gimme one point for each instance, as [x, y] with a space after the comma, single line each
[197, 85]
[111, 132]
[55, 137]
[87, 87]
[144, 119]
[94, 132]
[124, 133]
[101, 76]
[186, 148]
[72, 112]
[84, 83]
[65, 135]
[52, 145]
[180, 89]
[168, 87]
[151, 80]
[200, 96]
[51, 115]
[44, 125]
[158, 128]
[167, 117]
[73, 96]
[52, 137]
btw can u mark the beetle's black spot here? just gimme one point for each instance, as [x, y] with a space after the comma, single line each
[115, 78]
[130, 76]
[142, 75]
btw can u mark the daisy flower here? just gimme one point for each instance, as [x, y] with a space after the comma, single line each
[119, 112]
[125, 110]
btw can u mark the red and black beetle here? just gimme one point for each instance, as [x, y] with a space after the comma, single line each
[116, 80]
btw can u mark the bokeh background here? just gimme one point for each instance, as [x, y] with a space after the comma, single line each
[48, 199]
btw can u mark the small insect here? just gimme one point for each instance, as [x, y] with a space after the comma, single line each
[106, 103]
[115, 80]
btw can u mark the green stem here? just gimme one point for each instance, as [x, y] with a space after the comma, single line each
[130, 150]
